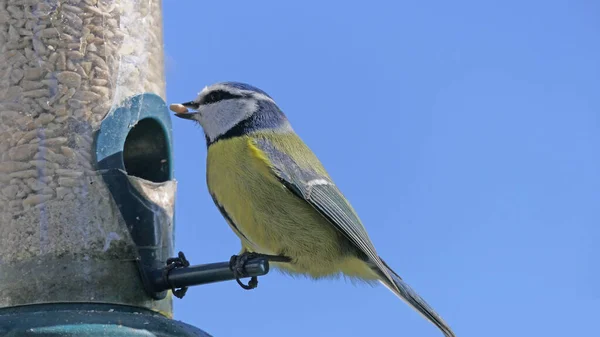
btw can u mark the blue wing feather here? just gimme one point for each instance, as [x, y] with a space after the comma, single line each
[327, 199]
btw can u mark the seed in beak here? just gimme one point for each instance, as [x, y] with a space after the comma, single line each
[178, 108]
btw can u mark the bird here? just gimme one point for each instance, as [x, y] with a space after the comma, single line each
[277, 197]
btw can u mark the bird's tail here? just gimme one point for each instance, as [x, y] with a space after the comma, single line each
[394, 282]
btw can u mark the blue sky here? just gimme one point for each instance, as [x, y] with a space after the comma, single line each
[464, 133]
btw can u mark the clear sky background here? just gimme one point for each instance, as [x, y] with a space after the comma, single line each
[466, 134]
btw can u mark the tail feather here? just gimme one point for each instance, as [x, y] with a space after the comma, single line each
[408, 295]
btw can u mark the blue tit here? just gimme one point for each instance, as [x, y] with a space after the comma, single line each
[278, 198]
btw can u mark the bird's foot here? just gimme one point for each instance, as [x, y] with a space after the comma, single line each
[173, 263]
[237, 264]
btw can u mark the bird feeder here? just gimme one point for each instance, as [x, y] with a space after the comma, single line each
[86, 172]
[87, 185]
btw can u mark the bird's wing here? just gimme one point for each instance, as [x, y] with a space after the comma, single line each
[316, 188]
[320, 192]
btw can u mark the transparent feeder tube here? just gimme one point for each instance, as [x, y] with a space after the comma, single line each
[63, 65]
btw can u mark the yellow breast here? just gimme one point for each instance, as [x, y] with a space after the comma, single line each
[272, 219]
[237, 179]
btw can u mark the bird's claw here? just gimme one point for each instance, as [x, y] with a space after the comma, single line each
[237, 264]
[172, 263]
[178, 262]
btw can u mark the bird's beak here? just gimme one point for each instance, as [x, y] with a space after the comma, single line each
[179, 111]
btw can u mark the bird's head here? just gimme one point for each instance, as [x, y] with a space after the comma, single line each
[221, 106]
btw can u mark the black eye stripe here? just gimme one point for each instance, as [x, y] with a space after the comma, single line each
[217, 95]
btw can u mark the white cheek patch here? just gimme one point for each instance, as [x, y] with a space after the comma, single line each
[217, 119]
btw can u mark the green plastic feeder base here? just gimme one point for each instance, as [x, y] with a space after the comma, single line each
[90, 320]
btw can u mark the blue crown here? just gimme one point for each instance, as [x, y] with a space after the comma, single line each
[244, 86]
